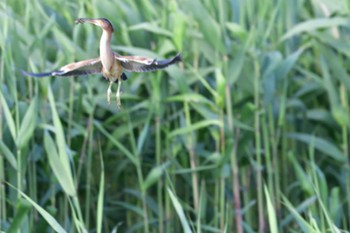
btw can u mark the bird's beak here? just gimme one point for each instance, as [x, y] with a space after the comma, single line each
[101, 22]
[85, 20]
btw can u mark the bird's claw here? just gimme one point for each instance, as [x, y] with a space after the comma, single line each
[109, 94]
[119, 104]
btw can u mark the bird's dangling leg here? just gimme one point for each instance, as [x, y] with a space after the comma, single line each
[109, 93]
[119, 104]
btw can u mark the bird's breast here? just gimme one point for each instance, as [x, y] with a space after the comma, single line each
[114, 72]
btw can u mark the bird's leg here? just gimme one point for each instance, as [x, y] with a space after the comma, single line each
[109, 92]
[119, 104]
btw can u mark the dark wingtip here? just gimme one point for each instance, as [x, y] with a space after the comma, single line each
[37, 75]
[177, 58]
[167, 62]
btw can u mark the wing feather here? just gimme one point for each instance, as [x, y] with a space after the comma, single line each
[94, 66]
[145, 64]
[90, 66]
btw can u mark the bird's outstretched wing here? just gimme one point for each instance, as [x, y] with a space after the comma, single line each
[90, 66]
[144, 64]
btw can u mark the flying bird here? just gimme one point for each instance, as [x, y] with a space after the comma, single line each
[109, 63]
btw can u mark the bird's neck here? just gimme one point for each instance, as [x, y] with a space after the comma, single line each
[106, 53]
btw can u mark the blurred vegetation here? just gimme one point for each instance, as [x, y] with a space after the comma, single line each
[249, 134]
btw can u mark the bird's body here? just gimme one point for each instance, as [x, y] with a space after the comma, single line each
[110, 64]
[113, 72]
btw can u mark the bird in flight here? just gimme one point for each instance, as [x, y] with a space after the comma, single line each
[109, 63]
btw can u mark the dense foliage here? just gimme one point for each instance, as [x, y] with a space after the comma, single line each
[249, 134]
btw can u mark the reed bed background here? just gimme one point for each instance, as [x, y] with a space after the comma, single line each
[249, 134]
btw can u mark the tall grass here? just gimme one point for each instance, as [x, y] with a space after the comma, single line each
[249, 134]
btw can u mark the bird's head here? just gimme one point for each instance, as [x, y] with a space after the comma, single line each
[101, 22]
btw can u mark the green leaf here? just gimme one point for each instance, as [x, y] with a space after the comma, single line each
[341, 115]
[320, 144]
[49, 219]
[288, 63]
[179, 29]
[154, 175]
[180, 212]
[61, 159]
[57, 166]
[302, 223]
[207, 24]
[341, 44]
[303, 177]
[132, 208]
[189, 97]
[151, 28]
[271, 212]
[21, 212]
[236, 30]
[194, 127]
[328, 81]
[339, 69]
[8, 155]
[321, 115]
[315, 24]
[143, 135]
[28, 124]
[9, 120]
[68, 45]
[303, 207]
[235, 66]
[100, 201]
[135, 51]
[220, 87]
[114, 141]
[204, 82]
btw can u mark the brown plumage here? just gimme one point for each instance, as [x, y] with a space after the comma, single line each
[109, 63]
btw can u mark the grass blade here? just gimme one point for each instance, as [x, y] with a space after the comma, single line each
[28, 124]
[48, 217]
[61, 159]
[194, 127]
[8, 155]
[9, 120]
[151, 28]
[100, 201]
[315, 24]
[180, 212]
[320, 144]
[56, 165]
[271, 212]
[21, 212]
[154, 175]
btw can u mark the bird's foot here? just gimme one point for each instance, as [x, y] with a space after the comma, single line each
[109, 94]
[119, 103]
[118, 94]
